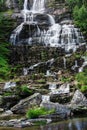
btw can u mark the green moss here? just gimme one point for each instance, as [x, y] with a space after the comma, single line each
[8, 94]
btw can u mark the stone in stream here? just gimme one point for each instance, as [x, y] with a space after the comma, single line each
[27, 103]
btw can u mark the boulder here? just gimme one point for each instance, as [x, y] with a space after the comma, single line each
[27, 103]
[62, 110]
[79, 103]
[79, 99]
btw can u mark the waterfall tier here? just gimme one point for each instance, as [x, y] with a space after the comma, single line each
[41, 28]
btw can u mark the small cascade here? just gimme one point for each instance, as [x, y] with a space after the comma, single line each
[9, 85]
[50, 62]
[75, 66]
[14, 38]
[48, 73]
[45, 98]
[51, 19]
[63, 89]
[64, 62]
[52, 87]
[83, 65]
[25, 71]
[32, 67]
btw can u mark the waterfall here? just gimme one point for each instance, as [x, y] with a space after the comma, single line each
[52, 87]
[64, 34]
[51, 19]
[52, 36]
[25, 4]
[38, 6]
[15, 35]
[45, 98]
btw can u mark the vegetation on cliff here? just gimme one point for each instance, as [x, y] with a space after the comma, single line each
[79, 11]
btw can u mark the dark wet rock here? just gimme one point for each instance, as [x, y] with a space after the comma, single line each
[61, 98]
[9, 101]
[1, 110]
[27, 103]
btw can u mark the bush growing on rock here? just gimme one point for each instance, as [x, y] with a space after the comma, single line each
[38, 111]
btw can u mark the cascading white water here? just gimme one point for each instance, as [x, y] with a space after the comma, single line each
[51, 19]
[52, 87]
[45, 98]
[15, 35]
[83, 65]
[25, 4]
[75, 65]
[63, 35]
[9, 85]
[52, 36]
[64, 60]
[38, 6]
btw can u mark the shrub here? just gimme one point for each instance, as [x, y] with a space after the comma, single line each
[36, 112]
[83, 89]
[25, 89]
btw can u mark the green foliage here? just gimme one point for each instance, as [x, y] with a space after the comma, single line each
[80, 17]
[4, 66]
[83, 88]
[6, 27]
[43, 56]
[8, 94]
[65, 79]
[79, 10]
[36, 112]
[25, 89]
[2, 5]
[82, 80]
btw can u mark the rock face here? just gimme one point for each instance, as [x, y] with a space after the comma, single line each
[9, 101]
[79, 103]
[27, 103]
[79, 99]
[60, 98]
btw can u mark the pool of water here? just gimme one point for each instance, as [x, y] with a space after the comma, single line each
[71, 124]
